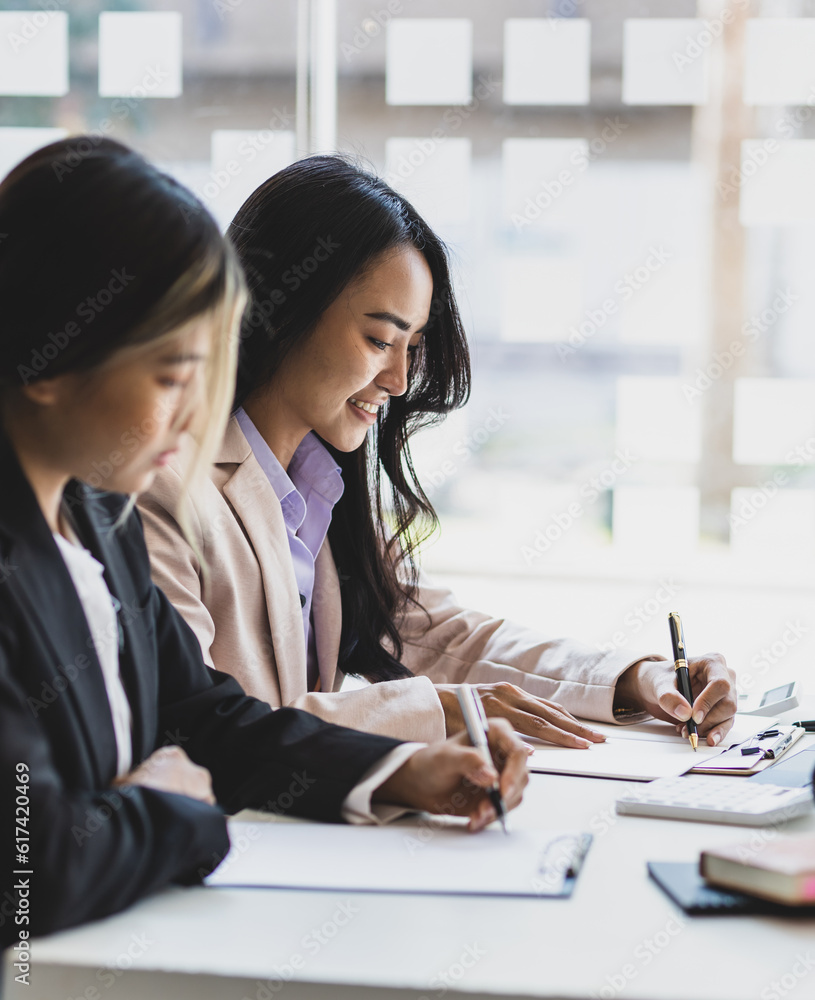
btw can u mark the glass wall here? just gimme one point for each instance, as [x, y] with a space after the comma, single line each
[627, 194]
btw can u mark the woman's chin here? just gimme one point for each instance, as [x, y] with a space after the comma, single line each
[344, 440]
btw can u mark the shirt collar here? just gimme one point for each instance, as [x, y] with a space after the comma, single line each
[312, 468]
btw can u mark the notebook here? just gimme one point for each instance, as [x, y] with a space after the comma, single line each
[782, 870]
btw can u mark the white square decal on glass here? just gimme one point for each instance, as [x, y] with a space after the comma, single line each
[34, 59]
[540, 178]
[779, 61]
[16, 143]
[547, 60]
[668, 308]
[770, 521]
[433, 175]
[242, 159]
[649, 521]
[429, 61]
[140, 54]
[542, 299]
[655, 422]
[664, 61]
[774, 421]
[775, 183]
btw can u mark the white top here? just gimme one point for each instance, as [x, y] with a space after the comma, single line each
[100, 612]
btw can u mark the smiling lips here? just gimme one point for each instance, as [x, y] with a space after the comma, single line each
[368, 407]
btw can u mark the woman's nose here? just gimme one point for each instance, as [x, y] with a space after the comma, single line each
[393, 377]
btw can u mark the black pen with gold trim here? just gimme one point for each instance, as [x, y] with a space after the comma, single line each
[682, 672]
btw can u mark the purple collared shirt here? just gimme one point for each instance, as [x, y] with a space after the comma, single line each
[307, 494]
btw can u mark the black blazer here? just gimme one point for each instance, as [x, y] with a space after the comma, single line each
[93, 849]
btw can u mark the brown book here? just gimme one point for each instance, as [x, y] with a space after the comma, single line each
[782, 870]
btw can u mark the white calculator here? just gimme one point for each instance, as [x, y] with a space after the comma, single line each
[716, 799]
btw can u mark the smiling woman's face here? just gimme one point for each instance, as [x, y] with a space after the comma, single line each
[358, 353]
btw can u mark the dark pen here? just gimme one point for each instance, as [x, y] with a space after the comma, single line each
[808, 725]
[682, 673]
[476, 722]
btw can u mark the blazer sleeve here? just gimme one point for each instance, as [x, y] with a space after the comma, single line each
[408, 709]
[89, 852]
[284, 761]
[451, 645]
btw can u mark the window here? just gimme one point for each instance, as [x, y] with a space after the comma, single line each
[627, 192]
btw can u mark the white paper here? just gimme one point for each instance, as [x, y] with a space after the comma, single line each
[435, 855]
[642, 753]
[744, 726]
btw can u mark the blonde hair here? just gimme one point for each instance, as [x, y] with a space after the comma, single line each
[209, 401]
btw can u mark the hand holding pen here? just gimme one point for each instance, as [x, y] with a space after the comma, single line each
[649, 685]
[475, 720]
[682, 674]
[455, 778]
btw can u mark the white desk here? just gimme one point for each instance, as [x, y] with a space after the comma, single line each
[618, 936]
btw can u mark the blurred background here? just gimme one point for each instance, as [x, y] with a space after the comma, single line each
[627, 189]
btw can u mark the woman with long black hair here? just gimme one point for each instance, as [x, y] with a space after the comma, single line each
[119, 749]
[312, 512]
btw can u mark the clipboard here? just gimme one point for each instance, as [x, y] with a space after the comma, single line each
[560, 864]
[426, 856]
[767, 748]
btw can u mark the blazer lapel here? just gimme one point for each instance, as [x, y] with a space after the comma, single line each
[327, 616]
[258, 509]
[44, 587]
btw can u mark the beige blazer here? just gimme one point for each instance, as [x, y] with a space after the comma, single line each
[245, 612]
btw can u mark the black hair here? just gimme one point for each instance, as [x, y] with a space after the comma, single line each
[302, 237]
[99, 250]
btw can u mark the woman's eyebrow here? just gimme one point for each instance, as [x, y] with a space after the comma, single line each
[182, 359]
[389, 317]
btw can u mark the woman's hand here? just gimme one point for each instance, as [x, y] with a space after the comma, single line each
[529, 715]
[169, 769]
[451, 777]
[650, 686]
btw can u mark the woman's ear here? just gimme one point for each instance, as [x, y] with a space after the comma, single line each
[44, 391]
